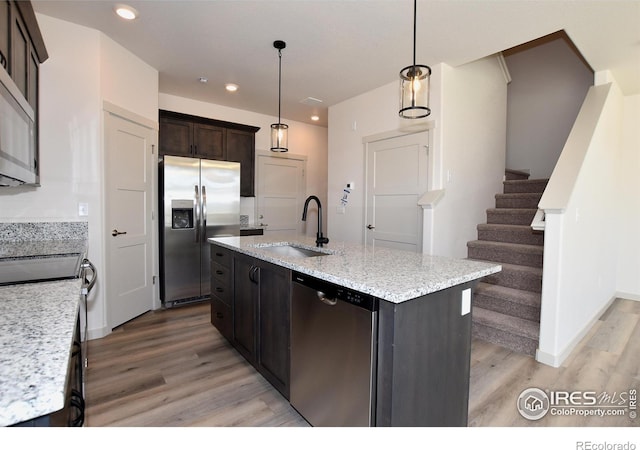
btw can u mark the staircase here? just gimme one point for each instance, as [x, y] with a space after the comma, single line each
[506, 305]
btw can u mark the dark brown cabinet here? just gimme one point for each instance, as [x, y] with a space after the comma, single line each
[22, 48]
[199, 137]
[222, 290]
[258, 321]
[197, 140]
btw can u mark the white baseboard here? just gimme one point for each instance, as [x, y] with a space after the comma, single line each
[628, 296]
[98, 333]
[556, 359]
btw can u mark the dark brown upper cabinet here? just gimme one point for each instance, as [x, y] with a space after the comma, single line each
[199, 137]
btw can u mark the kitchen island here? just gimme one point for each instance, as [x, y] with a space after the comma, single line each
[421, 330]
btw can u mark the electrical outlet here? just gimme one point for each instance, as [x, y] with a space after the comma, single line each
[466, 302]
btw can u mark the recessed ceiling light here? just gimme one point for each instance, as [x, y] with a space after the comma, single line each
[203, 80]
[231, 87]
[315, 118]
[126, 12]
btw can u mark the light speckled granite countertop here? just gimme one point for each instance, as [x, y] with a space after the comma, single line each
[36, 335]
[38, 248]
[392, 275]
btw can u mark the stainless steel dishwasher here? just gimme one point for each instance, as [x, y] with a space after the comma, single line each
[333, 353]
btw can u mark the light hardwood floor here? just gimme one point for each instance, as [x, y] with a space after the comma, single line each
[172, 368]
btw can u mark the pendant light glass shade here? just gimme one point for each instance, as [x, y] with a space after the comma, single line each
[279, 131]
[414, 85]
[279, 137]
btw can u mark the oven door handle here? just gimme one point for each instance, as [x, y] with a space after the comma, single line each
[88, 266]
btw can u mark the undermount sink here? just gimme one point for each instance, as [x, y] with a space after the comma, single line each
[294, 251]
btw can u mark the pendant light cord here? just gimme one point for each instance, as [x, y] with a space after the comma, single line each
[415, 10]
[280, 81]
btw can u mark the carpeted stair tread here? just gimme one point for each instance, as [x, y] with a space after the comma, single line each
[511, 216]
[507, 252]
[532, 185]
[513, 174]
[508, 301]
[517, 234]
[518, 200]
[515, 325]
[517, 277]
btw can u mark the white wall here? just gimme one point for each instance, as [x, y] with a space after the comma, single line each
[304, 139]
[549, 82]
[468, 116]
[581, 204]
[473, 127]
[629, 202]
[84, 68]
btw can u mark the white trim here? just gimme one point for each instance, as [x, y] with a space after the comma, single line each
[418, 127]
[628, 296]
[504, 67]
[431, 198]
[556, 360]
[285, 155]
[538, 222]
[128, 115]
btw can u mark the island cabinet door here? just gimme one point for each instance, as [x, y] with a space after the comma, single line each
[424, 350]
[245, 285]
[274, 305]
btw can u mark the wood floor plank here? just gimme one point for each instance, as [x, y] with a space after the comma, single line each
[171, 368]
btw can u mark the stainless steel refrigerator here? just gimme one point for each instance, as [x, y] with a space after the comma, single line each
[200, 198]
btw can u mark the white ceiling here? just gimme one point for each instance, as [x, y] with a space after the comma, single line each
[337, 49]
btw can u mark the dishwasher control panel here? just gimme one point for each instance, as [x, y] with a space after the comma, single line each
[333, 291]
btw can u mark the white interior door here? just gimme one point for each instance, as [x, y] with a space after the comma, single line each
[281, 193]
[129, 163]
[396, 179]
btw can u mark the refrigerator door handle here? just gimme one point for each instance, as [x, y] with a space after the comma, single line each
[204, 213]
[197, 208]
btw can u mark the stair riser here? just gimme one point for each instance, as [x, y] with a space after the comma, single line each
[516, 280]
[505, 339]
[516, 176]
[524, 187]
[506, 256]
[513, 237]
[507, 307]
[518, 202]
[524, 217]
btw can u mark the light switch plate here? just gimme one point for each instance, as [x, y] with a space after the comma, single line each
[83, 209]
[466, 302]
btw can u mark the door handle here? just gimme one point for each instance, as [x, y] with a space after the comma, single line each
[371, 227]
[115, 232]
[197, 208]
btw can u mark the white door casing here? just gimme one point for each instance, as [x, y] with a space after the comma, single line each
[281, 193]
[129, 163]
[396, 177]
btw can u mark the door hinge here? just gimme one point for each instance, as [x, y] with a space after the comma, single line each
[153, 215]
[153, 149]
[153, 279]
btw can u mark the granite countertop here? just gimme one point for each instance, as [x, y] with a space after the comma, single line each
[392, 275]
[36, 336]
[40, 248]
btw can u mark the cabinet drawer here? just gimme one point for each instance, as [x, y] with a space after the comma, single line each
[221, 318]
[221, 291]
[221, 273]
[220, 255]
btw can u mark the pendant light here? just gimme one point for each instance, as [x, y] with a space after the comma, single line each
[279, 131]
[414, 84]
